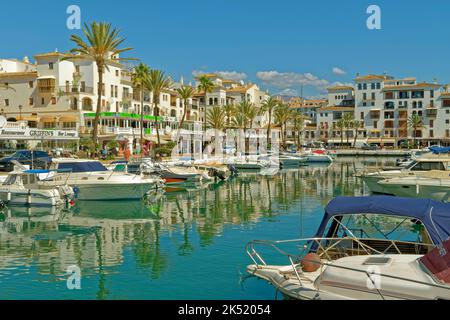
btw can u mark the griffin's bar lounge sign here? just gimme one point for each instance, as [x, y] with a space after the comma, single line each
[15, 131]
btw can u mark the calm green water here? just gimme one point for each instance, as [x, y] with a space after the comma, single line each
[184, 244]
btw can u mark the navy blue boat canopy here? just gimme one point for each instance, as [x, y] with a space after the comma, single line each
[438, 150]
[88, 166]
[433, 214]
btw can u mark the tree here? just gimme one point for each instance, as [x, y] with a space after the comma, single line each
[348, 118]
[139, 78]
[186, 93]
[269, 106]
[216, 117]
[156, 82]
[283, 114]
[415, 122]
[206, 85]
[102, 46]
[340, 124]
[245, 113]
[230, 110]
[299, 123]
[356, 125]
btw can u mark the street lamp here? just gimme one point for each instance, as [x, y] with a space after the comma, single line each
[20, 112]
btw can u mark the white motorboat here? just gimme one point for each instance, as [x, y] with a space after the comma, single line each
[24, 188]
[427, 186]
[365, 277]
[250, 163]
[91, 180]
[319, 155]
[336, 264]
[418, 167]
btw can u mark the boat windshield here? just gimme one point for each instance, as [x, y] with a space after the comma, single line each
[412, 164]
[10, 180]
[376, 226]
[89, 166]
[427, 166]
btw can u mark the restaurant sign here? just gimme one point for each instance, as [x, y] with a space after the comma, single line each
[37, 134]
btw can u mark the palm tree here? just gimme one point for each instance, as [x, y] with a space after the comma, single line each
[356, 124]
[348, 122]
[340, 124]
[206, 85]
[299, 122]
[139, 79]
[415, 122]
[186, 93]
[269, 106]
[101, 45]
[283, 114]
[216, 117]
[156, 82]
[230, 110]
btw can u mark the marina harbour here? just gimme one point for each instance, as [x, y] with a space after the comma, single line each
[180, 243]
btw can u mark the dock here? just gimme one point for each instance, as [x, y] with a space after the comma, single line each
[371, 153]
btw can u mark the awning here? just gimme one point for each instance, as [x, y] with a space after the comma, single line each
[155, 140]
[46, 77]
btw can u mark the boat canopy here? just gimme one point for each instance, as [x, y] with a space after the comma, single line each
[439, 150]
[433, 214]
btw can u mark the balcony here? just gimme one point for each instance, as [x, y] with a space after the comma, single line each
[431, 113]
[68, 90]
[374, 115]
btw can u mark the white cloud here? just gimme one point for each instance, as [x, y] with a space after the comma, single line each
[287, 80]
[230, 75]
[288, 92]
[338, 71]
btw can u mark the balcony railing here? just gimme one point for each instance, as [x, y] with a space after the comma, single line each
[75, 90]
[431, 112]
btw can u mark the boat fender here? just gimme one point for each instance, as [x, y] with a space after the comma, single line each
[76, 191]
[311, 262]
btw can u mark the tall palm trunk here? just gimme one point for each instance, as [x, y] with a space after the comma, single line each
[204, 115]
[99, 106]
[356, 137]
[156, 122]
[141, 143]
[268, 128]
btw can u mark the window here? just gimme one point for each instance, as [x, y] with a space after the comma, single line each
[373, 95]
[427, 166]
[42, 101]
[378, 85]
[419, 104]
[372, 86]
[30, 101]
[447, 121]
[375, 123]
[417, 94]
[115, 91]
[365, 86]
[7, 102]
[362, 115]
[359, 86]
[30, 84]
[364, 104]
[447, 133]
[50, 65]
[431, 123]
[364, 96]
[112, 91]
[53, 100]
[431, 134]
[403, 95]
[117, 73]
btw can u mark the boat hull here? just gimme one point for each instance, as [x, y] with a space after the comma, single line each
[47, 198]
[113, 191]
[411, 190]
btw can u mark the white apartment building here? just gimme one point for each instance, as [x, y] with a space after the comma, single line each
[55, 93]
[230, 92]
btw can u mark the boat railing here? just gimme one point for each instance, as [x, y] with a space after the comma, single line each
[295, 261]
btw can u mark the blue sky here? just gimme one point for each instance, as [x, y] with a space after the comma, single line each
[277, 44]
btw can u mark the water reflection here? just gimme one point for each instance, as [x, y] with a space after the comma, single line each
[97, 236]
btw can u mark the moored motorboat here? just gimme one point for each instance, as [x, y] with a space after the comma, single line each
[436, 187]
[24, 188]
[418, 167]
[91, 180]
[336, 264]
